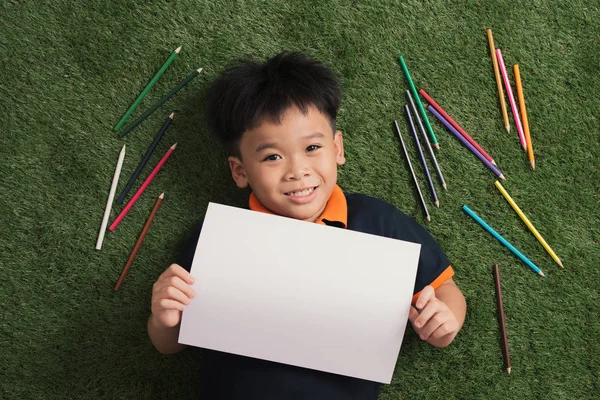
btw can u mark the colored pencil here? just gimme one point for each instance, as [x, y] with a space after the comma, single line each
[147, 89]
[503, 241]
[511, 99]
[435, 105]
[413, 132]
[418, 101]
[145, 159]
[496, 273]
[161, 102]
[412, 171]
[111, 196]
[140, 240]
[464, 141]
[498, 80]
[438, 170]
[524, 218]
[524, 116]
[139, 192]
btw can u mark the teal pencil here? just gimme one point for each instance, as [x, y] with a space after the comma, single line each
[413, 90]
[503, 241]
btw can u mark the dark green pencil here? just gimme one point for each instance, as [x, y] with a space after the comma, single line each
[160, 102]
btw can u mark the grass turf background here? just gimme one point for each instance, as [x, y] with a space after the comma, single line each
[69, 70]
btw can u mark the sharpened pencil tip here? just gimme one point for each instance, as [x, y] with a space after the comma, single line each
[437, 146]
[508, 369]
[507, 128]
[123, 149]
[177, 50]
[533, 165]
[445, 187]
[494, 162]
[172, 115]
[199, 70]
[502, 177]
[162, 195]
[437, 204]
[173, 147]
[561, 264]
[428, 218]
[542, 274]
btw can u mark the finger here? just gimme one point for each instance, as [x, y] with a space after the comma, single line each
[426, 295]
[168, 304]
[433, 307]
[448, 328]
[412, 314]
[181, 285]
[178, 270]
[172, 293]
[433, 324]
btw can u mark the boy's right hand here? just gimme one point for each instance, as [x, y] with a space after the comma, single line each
[170, 294]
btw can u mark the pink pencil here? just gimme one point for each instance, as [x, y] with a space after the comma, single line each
[511, 99]
[139, 192]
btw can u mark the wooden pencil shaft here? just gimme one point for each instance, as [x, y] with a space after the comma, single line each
[144, 160]
[139, 242]
[412, 171]
[523, 109]
[417, 99]
[413, 132]
[413, 108]
[146, 89]
[501, 315]
[160, 102]
[498, 78]
[111, 196]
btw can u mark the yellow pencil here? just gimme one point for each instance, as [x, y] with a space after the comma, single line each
[528, 223]
[498, 80]
[524, 116]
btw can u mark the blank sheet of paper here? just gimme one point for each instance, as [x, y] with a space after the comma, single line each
[300, 293]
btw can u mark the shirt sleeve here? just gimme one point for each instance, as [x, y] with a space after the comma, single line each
[187, 253]
[434, 268]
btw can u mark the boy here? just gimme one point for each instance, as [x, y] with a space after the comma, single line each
[277, 120]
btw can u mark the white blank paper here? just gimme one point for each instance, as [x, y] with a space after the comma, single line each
[300, 293]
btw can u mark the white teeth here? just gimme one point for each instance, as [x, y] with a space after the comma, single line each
[301, 193]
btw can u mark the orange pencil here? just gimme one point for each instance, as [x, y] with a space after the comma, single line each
[498, 80]
[140, 240]
[524, 115]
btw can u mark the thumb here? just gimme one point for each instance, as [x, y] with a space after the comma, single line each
[412, 314]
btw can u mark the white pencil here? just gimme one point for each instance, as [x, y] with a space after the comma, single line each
[111, 196]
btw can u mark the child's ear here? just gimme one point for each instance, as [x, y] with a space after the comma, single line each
[338, 141]
[238, 172]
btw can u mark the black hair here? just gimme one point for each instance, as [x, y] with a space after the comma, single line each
[249, 93]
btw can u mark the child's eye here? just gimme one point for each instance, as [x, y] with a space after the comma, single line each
[313, 147]
[272, 157]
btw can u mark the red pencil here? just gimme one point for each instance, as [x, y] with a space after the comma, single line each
[139, 192]
[138, 244]
[454, 124]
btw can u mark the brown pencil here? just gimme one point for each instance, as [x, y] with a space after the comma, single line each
[140, 240]
[502, 322]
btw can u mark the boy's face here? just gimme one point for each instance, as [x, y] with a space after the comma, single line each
[291, 167]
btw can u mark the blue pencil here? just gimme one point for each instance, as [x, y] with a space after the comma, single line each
[503, 241]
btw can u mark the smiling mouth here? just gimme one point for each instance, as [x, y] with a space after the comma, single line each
[302, 193]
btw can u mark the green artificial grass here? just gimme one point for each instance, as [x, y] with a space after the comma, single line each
[69, 70]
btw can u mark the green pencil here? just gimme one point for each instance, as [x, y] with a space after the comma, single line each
[413, 91]
[161, 102]
[146, 89]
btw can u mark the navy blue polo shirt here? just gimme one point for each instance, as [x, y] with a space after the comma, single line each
[229, 376]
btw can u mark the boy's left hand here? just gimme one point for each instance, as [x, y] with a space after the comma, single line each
[435, 322]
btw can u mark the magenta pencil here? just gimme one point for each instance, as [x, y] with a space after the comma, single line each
[139, 192]
[511, 99]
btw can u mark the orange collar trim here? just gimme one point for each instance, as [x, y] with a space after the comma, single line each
[336, 209]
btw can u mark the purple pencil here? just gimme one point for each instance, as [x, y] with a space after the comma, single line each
[464, 141]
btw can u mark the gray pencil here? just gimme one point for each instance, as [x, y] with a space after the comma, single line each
[412, 171]
[413, 108]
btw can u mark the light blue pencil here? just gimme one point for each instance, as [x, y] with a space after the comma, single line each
[503, 241]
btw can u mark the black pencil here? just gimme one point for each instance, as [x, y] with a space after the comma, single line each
[413, 131]
[501, 316]
[161, 102]
[412, 171]
[145, 159]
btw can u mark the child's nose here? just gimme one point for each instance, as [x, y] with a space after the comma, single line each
[297, 169]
